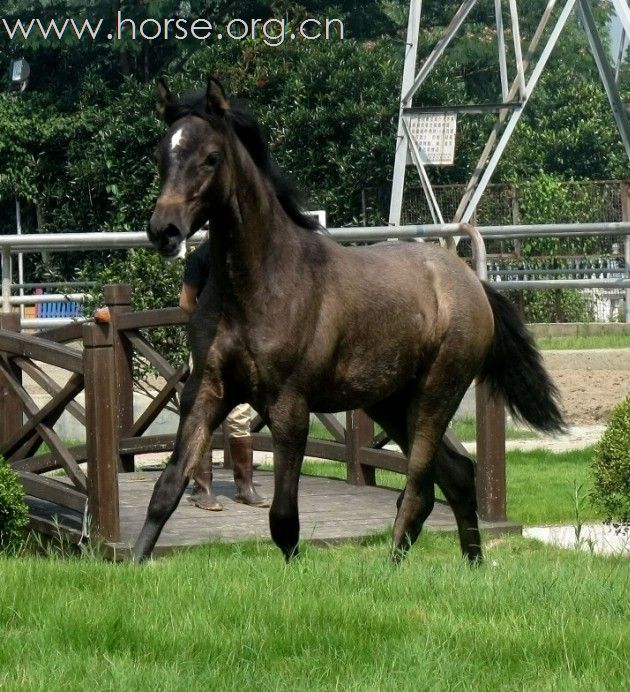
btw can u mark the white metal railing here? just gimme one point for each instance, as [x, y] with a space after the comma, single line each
[107, 240]
[47, 298]
[36, 298]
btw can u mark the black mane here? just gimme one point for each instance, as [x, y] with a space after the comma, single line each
[250, 134]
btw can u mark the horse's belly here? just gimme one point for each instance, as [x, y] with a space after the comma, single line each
[358, 383]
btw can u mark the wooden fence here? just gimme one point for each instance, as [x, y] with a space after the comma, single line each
[98, 360]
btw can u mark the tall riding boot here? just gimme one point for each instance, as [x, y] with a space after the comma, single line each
[202, 495]
[242, 453]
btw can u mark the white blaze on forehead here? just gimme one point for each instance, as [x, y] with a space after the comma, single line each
[177, 138]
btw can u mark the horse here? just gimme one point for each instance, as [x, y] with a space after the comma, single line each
[292, 323]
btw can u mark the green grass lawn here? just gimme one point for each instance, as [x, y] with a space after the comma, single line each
[235, 617]
[465, 430]
[542, 487]
[238, 618]
[585, 342]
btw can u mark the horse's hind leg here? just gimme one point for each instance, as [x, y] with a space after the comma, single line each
[428, 415]
[455, 475]
[201, 411]
[393, 416]
[415, 504]
[453, 472]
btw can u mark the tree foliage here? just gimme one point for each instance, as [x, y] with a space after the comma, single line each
[77, 144]
[155, 283]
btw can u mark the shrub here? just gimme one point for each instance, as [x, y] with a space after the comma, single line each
[558, 305]
[155, 284]
[611, 466]
[13, 510]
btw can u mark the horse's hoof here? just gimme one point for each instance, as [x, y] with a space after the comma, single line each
[397, 556]
[475, 560]
[292, 555]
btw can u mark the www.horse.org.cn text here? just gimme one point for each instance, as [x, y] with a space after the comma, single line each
[272, 32]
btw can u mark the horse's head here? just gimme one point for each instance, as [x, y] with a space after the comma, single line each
[189, 158]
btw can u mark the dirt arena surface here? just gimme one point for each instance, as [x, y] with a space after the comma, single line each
[591, 383]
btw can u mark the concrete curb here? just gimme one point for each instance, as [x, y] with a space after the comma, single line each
[599, 539]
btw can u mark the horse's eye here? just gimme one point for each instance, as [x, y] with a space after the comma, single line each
[211, 160]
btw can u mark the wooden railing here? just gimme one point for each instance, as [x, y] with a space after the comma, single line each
[25, 427]
[100, 365]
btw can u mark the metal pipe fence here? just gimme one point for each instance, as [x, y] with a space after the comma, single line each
[35, 299]
[80, 242]
[513, 205]
[75, 285]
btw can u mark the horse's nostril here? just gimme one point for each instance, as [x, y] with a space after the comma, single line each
[171, 231]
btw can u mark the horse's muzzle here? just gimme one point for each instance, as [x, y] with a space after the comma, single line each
[168, 240]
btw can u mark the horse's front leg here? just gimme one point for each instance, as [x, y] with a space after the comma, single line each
[202, 410]
[288, 419]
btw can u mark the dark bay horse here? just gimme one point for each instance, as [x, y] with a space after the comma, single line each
[291, 322]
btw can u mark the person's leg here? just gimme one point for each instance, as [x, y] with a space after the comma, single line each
[242, 453]
[202, 495]
[238, 421]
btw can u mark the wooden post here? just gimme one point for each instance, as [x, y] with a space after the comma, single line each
[118, 300]
[490, 479]
[11, 410]
[359, 433]
[101, 430]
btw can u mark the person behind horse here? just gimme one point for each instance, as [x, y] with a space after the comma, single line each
[196, 273]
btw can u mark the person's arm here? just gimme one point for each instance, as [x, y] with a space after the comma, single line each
[195, 276]
[188, 298]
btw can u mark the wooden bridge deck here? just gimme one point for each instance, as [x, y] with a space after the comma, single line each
[331, 510]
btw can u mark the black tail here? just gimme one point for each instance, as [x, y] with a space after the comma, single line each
[514, 369]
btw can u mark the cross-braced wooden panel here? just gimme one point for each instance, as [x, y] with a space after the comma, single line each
[29, 355]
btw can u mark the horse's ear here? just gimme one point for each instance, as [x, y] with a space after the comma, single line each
[216, 98]
[165, 97]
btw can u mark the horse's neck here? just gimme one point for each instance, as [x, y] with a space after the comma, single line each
[255, 229]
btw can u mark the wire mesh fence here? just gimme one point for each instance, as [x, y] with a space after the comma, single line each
[590, 257]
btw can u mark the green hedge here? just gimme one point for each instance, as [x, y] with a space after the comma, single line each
[13, 511]
[611, 467]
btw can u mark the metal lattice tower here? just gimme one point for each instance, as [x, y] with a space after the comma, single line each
[516, 89]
